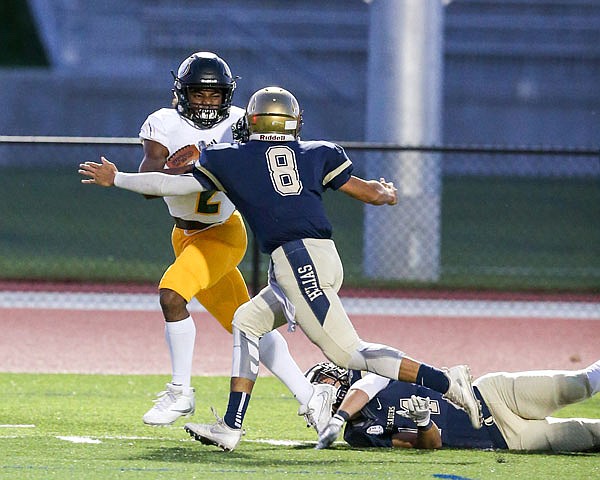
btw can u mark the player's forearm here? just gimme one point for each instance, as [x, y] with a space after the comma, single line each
[425, 438]
[370, 191]
[158, 184]
[353, 402]
[428, 437]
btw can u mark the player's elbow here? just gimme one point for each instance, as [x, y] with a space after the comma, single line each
[436, 444]
[429, 444]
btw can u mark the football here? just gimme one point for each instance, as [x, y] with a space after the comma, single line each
[183, 156]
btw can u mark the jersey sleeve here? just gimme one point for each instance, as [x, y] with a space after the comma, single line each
[153, 129]
[371, 384]
[338, 168]
[363, 434]
[204, 177]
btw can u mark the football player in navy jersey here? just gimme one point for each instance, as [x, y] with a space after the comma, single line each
[516, 409]
[208, 238]
[276, 181]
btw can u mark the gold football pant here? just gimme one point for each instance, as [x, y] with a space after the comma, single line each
[205, 267]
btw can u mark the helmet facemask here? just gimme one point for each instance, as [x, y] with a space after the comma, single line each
[203, 70]
[202, 116]
[331, 374]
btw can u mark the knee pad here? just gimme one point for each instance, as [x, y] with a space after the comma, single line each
[258, 316]
[376, 358]
[245, 355]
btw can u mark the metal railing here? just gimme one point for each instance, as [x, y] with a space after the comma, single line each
[518, 219]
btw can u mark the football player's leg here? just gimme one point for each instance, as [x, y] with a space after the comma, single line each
[537, 394]
[209, 255]
[244, 371]
[264, 313]
[276, 356]
[221, 288]
[180, 329]
[561, 435]
[180, 333]
[223, 299]
[226, 432]
[537, 434]
[310, 274]
[202, 259]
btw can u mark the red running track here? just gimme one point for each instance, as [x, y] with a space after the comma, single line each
[127, 342]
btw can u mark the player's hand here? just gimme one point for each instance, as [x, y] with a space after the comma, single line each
[186, 155]
[102, 174]
[418, 411]
[330, 433]
[390, 190]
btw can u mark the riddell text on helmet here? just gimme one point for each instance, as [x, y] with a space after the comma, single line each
[271, 137]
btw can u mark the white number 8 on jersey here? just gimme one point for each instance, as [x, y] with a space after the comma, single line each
[281, 161]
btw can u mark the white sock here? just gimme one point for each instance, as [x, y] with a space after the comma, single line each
[181, 337]
[275, 355]
[593, 374]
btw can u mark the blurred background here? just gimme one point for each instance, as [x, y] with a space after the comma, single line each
[485, 114]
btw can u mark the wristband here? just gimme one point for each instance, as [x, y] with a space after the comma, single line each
[343, 415]
[424, 428]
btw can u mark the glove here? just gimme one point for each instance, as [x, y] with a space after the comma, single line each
[418, 411]
[330, 433]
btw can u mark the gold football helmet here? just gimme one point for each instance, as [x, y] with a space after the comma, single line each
[273, 114]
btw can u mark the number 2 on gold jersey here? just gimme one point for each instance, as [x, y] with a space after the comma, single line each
[204, 204]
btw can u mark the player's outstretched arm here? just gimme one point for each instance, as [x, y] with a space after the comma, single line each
[102, 174]
[371, 191]
[106, 174]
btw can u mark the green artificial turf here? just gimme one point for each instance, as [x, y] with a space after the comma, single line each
[89, 427]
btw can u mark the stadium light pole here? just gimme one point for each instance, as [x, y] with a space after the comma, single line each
[404, 96]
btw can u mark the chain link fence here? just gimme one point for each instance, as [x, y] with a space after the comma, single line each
[513, 224]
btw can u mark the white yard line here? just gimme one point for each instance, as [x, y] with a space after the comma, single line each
[84, 439]
[75, 439]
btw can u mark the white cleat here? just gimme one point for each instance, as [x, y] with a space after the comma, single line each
[317, 412]
[218, 433]
[461, 393]
[171, 404]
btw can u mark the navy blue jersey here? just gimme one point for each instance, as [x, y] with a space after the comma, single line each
[379, 420]
[277, 186]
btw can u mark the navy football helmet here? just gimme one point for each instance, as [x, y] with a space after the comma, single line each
[326, 372]
[203, 70]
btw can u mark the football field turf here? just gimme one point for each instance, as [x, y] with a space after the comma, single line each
[72, 426]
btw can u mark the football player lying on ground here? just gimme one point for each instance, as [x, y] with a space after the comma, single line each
[276, 181]
[516, 410]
